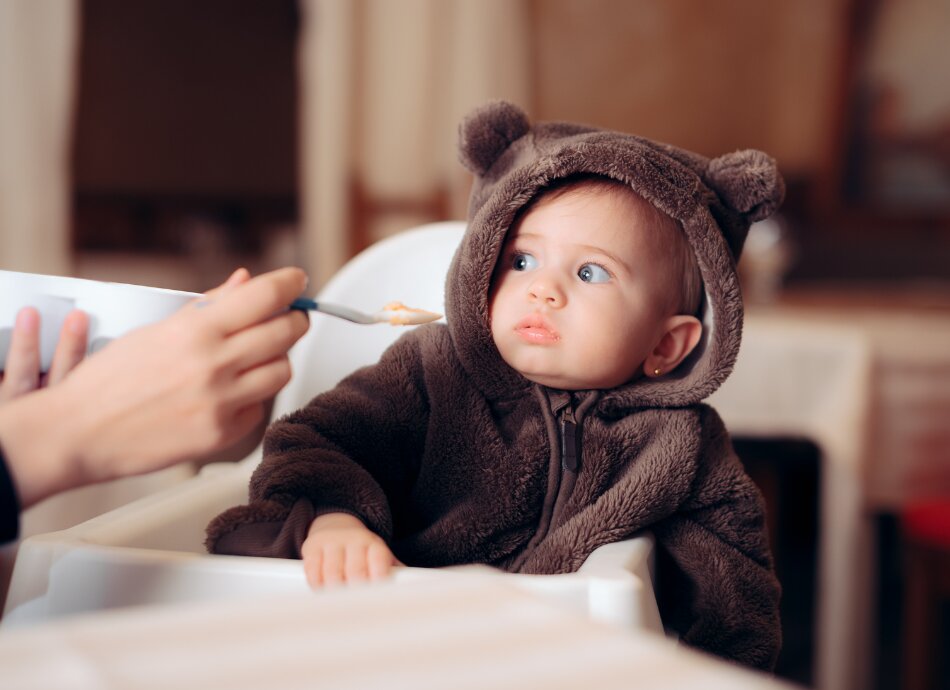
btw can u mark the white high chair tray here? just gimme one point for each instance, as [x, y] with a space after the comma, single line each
[456, 633]
[150, 552]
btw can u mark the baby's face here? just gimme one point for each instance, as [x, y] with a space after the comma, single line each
[577, 298]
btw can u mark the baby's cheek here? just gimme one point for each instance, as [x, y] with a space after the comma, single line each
[492, 329]
[492, 310]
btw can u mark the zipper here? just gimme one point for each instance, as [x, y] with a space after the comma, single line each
[570, 450]
[560, 419]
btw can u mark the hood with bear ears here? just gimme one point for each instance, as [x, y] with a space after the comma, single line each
[713, 201]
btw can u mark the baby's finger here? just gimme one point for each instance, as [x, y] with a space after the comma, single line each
[312, 567]
[355, 569]
[379, 562]
[71, 347]
[22, 369]
[333, 565]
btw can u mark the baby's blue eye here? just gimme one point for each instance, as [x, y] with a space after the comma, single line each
[523, 262]
[592, 273]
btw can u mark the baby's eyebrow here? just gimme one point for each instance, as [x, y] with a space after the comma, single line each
[525, 236]
[600, 250]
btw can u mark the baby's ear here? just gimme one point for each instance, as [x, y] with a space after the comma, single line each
[487, 133]
[680, 337]
[748, 182]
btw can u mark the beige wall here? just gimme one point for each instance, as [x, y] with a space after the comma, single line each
[709, 76]
[381, 85]
[38, 44]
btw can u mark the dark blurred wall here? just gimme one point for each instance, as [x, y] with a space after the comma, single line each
[186, 127]
[183, 97]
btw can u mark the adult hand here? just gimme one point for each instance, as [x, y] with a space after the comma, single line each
[21, 372]
[181, 388]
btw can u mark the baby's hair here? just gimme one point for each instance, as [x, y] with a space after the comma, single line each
[689, 287]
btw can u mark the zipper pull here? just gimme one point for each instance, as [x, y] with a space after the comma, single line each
[570, 459]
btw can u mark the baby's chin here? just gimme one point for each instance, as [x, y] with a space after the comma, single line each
[568, 382]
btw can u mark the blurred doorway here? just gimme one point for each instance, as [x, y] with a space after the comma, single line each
[185, 142]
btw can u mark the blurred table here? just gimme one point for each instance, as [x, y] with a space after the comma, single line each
[866, 377]
[908, 336]
[455, 634]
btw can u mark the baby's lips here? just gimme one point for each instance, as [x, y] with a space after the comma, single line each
[537, 329]
[536, 322]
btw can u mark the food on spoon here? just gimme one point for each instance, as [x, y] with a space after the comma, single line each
[401, 315]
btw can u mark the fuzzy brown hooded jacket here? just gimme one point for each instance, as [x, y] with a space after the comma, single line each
[453, 457]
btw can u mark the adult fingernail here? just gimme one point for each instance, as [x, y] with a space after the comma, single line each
[76, 322]
[27, 319]
[237, 276]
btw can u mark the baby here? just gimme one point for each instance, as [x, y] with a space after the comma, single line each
[591, 306]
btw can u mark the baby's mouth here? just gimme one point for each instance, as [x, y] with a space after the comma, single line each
[535, 329]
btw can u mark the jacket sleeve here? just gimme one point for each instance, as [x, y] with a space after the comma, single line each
[9, 504]
[353, 449]
[716, 585]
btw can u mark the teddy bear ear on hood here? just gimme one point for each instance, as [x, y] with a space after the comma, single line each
[488, 132]
[748, 182]
[750, 186]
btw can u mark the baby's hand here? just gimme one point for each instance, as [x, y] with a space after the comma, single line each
[339, 548]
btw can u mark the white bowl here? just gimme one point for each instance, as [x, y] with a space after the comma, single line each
[113, 308]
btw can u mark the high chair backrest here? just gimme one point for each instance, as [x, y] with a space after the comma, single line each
[408, 267]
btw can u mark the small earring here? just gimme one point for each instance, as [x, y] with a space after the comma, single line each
[657, 371]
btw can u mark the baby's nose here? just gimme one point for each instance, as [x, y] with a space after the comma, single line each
[548, 291]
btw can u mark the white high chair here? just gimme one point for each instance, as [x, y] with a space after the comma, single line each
[151, 551]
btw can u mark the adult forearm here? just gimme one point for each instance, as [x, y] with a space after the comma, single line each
[38, 440]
